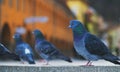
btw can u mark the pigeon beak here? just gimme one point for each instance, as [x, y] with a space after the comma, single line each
[69, 26]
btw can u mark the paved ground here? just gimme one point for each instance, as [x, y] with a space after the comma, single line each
[57, 63]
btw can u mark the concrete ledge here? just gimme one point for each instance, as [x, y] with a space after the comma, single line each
[59, 68]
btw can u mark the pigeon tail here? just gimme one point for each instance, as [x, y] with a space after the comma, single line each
[115, 62]
[69, 60]
[65, 58]
[30, 59]
[111, 58]
[31, 62]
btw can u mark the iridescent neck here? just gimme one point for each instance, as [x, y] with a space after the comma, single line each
[19, 41]
[38, 40]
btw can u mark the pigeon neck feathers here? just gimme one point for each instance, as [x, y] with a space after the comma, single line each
[19, 41]
[78, 36]
[77, 27]
[38, 35]
[39, 38]
[79, 30]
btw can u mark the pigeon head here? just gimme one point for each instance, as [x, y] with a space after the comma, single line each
[17, 37]
[77, 26]
[38, 34]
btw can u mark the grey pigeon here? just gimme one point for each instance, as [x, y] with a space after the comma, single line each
[46, 49]
[89, 46]
[23, 49]
[5, 53]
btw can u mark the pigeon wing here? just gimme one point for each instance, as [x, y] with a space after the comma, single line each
[48, 48]
[28, 48]
[22, 49]
[95, 45]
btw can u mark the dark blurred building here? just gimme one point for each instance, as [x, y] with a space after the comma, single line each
[54, 19]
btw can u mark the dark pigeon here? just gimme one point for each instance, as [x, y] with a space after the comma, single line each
[5, 53]
[23, 49]
[47, 50]
[89, 46]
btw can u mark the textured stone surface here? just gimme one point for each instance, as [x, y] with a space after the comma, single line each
[59, 66]
[60, 69]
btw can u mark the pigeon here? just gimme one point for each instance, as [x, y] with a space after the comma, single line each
[4, 52]
[89, 46]
[47, 50]
[23, 50]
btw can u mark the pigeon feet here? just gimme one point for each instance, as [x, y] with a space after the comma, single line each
[47, 63]
[89, 63]
[44, 61]
[22, 62]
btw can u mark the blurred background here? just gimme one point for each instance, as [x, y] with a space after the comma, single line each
[100, 17]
